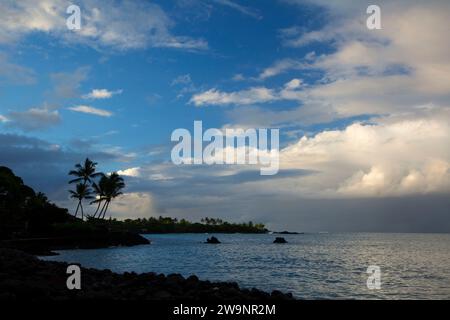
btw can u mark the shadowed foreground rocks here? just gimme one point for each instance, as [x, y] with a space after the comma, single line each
[23, 276]
[45, 246]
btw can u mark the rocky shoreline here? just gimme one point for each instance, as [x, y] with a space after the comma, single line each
[25, 277]
[46, 246]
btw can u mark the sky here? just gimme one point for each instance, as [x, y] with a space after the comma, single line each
[364, 115]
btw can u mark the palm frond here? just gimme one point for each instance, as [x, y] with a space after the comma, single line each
[75, 180]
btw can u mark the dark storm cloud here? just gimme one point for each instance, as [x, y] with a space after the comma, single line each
[255, 176]
[23, 150]
[41, 164]
[194, 192]
[420, 213]
[411, 214]
[166, 180]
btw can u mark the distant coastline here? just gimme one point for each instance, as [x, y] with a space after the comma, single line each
[172, 225]
[31, 223]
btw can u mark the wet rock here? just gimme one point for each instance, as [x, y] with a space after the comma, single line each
[212, 240]
[279, 240]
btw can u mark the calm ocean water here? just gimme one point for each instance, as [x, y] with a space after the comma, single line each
[310, 266]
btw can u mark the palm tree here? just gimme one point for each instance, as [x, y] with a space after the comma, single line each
[100, 191]
[112, 187]
[84, 172]
[82, 192]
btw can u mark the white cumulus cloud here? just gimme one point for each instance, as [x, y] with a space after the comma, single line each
[130, 172]
[101, 94]
[92, 110]
[391, 156]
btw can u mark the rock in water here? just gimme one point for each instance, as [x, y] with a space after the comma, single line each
[279, 240]
[212, 240]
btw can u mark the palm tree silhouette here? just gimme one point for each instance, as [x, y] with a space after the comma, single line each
[100, 191]
[110, 187]
[82, 192]
[85, 172]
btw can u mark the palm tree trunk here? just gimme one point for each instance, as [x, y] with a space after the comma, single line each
[76, 211]
[103, 208]
[104, 212]
[98, 207]
[82, 211]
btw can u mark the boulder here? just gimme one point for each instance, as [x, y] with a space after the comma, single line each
[212, 240]
[279, 240]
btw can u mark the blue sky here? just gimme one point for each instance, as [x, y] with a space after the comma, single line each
[363, 114]
[153, 102]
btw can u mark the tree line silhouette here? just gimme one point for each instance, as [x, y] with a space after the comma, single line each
[174, 225]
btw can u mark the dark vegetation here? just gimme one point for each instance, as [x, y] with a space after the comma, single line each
[173, 225]
[30, 222]
[25, 213]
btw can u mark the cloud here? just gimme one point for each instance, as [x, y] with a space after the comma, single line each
[391, 156]
[238, 77]
[389, 71]
[13, 73]
[92, 110]
[24, 154]
[3, 118]
[279, 67]
[130, 172]
[244, 97]
[184, 85]
[101, 94]
[387, 163]
[119, 25]
[153, 98]
[67, 84]
[140, 203]
[253, 95]
[242, 9]
[294, 84]
[182, 79]
[363, 73]
[33, 119]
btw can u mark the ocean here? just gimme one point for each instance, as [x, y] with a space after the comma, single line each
[310, 266]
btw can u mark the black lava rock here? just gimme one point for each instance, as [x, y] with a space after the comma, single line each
[212, 240]
[23, 276]
[279, 240]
